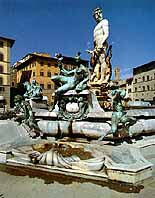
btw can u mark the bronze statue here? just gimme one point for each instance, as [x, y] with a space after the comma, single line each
[118, 115]
[24, 114]
[75, 79]
[33, 90]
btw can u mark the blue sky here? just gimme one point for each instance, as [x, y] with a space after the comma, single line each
[66, 26]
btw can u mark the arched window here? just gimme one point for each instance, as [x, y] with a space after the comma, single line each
[1, 81]
[1, 69]
[1, 57]
[143, 78]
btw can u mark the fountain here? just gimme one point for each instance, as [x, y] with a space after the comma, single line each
[76, 136]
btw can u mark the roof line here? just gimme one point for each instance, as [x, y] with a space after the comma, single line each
[11, 40]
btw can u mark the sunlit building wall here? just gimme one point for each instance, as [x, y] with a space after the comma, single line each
[5, 45]
[144, 82]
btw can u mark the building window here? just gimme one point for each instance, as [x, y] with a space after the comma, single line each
[1, 69]
[143, 88]
[135, 80]
[148, 87]
[1, 57]
[33, 64]
[147, 77]
[49, 86]
[49, 64]
[1, 81]
[49, 74]
[135, 89]
[33, 74]
[41, 73]
[1, 44]
[2, 89]
[129, 90]
[143, 78]
[42, 86]
[13, 84]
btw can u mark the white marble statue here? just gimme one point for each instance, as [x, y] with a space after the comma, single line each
[101, 72]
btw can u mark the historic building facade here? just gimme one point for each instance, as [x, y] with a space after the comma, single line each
[41, 67]
[129, 88]
[5, 45]
[144, 82]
